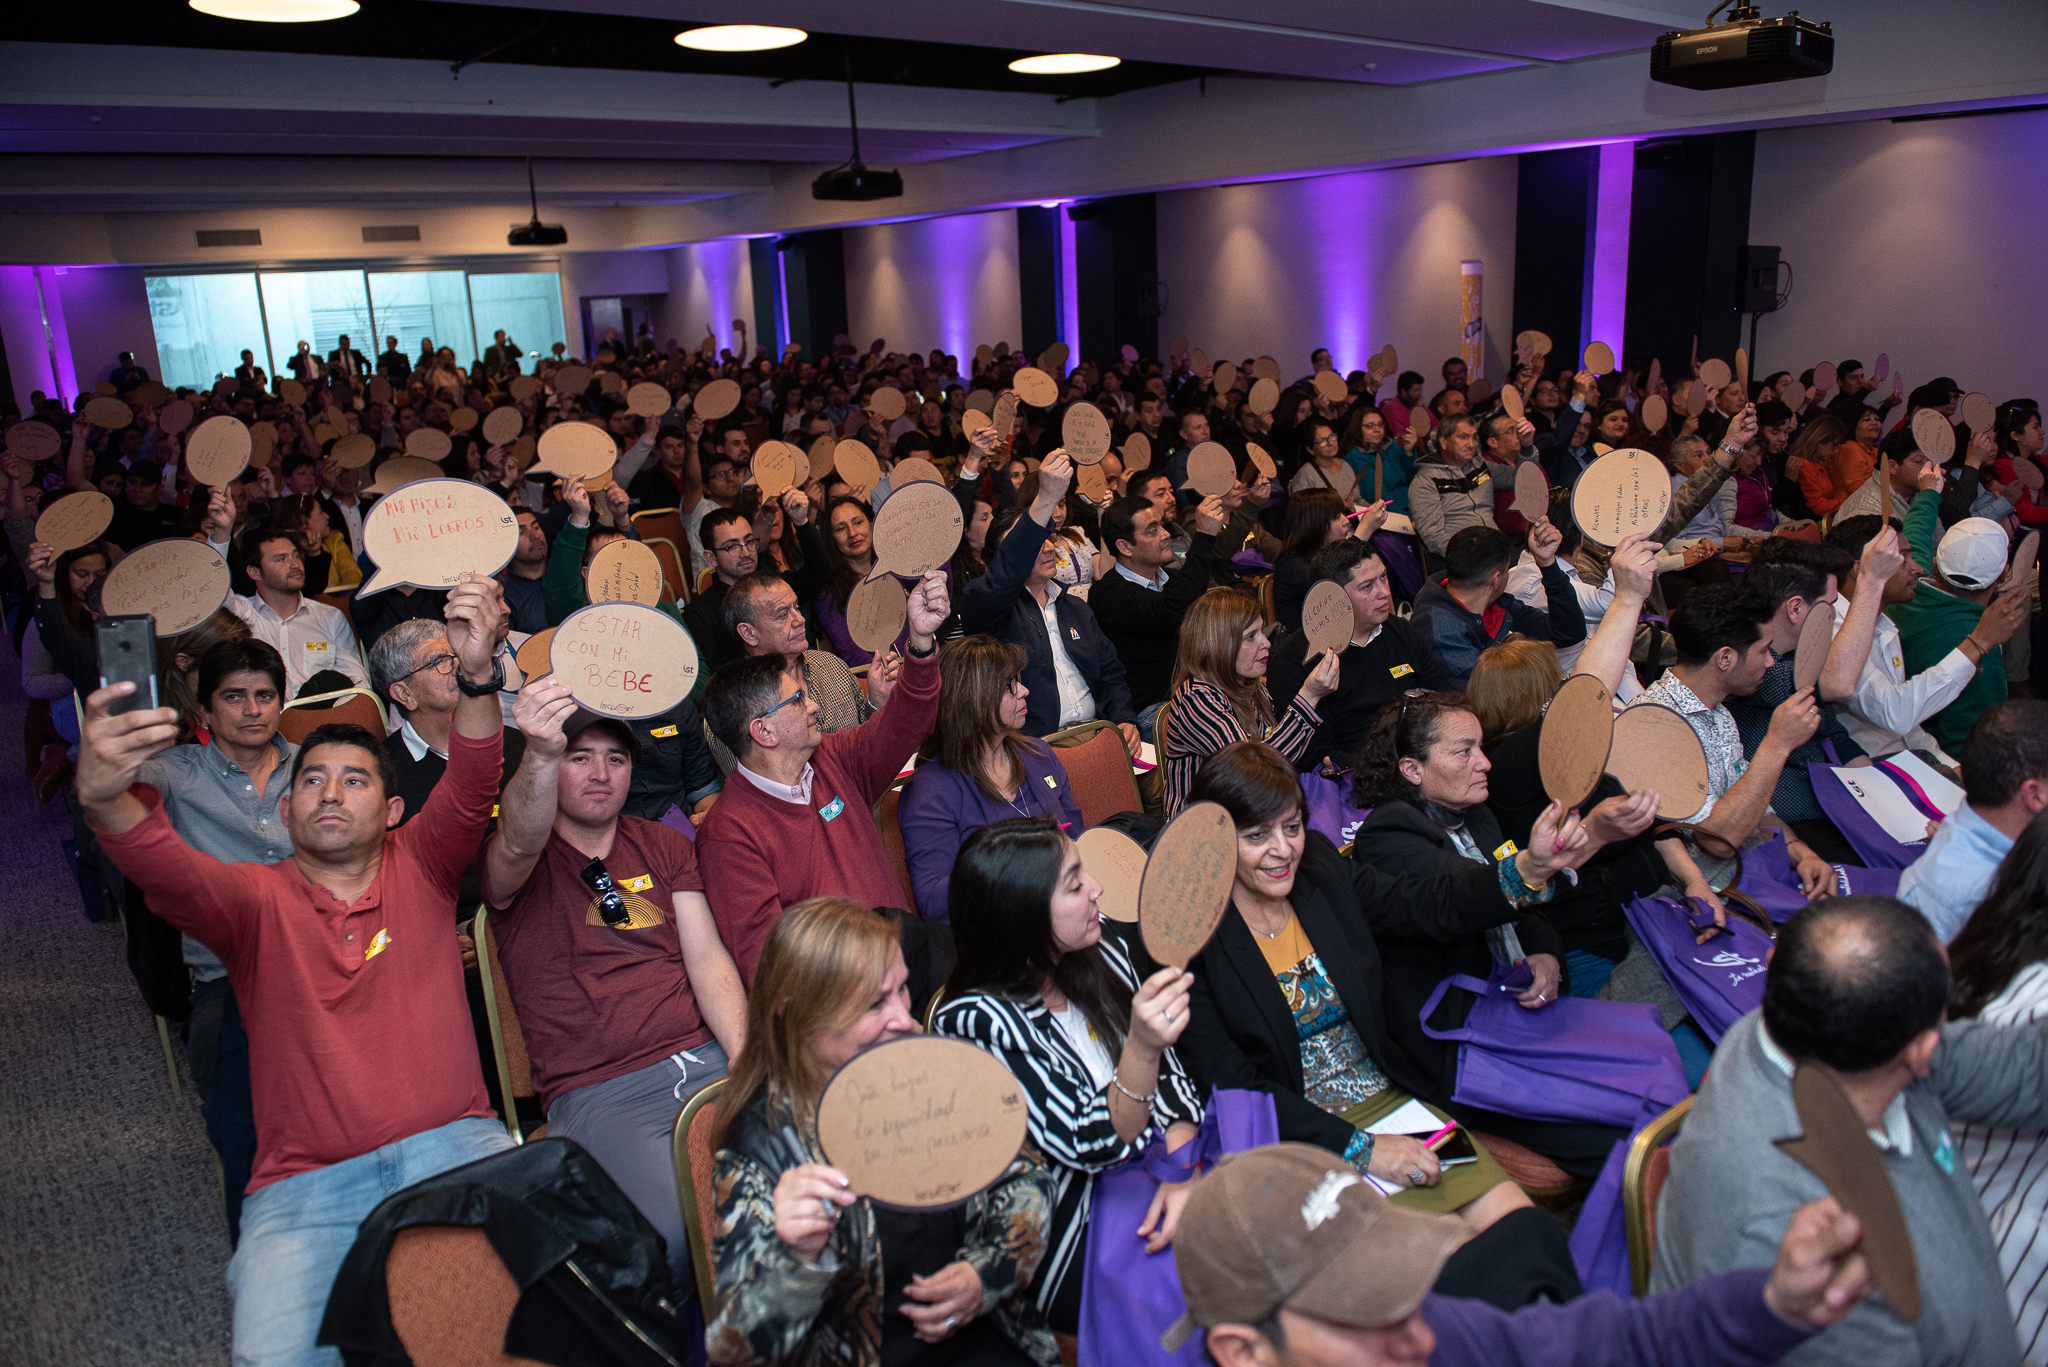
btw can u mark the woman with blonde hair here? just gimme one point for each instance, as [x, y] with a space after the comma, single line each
[330, 565]
[978, 766]
[808, 1273]
[1219, 691]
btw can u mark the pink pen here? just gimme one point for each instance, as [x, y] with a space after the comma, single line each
[1445, 1133]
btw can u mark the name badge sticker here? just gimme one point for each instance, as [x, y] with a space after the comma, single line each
[833, 808]
[641, 884]
[662, 732]
[316, 645]
[1506, 850]
[1399, 670]
[378, 944]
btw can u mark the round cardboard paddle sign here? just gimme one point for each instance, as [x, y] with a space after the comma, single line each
[1655, 413]
[2022, 562]
[1266, 368]
[2027, 472]
[1477, 392]
[1715, 375]
[1934, 434]
[430, 533]
[1577, 733]
[1117, 862]
[913, 470]
[532, 655]
[326, 432]
[717, 399]
[1326, 619]
[1810, 656]
[1599, 357]
[1742, 370]
[33, 441]
[1187, 883]
[1261, 462]
[611, 382]
[1390, 359]
[218, 450]
[1224, 378]
[522, 388]
[150, 394]
[1792, 393]
[380, 388]
[75, 519]
[856, 465]
[1035, 387]
[571, 380]
[263, 444]
[1532, 494]
[1265, 396]
[821, 455]
[1198, 362]
[175, 418]
[1053, 360]
[1835, 1145]
[1092, 483]
[461, 420]
[1696, 396]
[292, 392]
[918, 529]
[1623, 492]
[177, 581]
[886, 403]
[1655, 749]
[1882, 370]
[922, 1123]
[974, 420]
[1137, 452]
[1211, 469]
[774, 467]
[1511, 403]
[503, 425]
[573, 448]
[1129, 353]
[1978, 413]
[108, 412]
[1085, 434]
[1331, 387]
[430, 443]
[625, 571]
[400, 471]
[982, 401]
[876, 611]
[624, 659]
[1824, 377]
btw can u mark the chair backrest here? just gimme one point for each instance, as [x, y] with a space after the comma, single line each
[1268, 607]
[1649, 1163]
[931, 1008]
[696, 1168]
[451, 1297]
[1160, 720]
[341, 602]
[892, 842]
[674, 577]
[358, 705]
[1099, 768]
[508, 1041]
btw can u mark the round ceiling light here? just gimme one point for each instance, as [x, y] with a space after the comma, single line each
[277, 11]
[740, 38]
[1063, 64]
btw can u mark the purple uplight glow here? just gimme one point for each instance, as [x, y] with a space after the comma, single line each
[1606, 310]
[1069, 288]
[38, 345]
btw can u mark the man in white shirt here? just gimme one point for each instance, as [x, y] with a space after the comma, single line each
[313, 638]
[1884, 712]
[2005, 784]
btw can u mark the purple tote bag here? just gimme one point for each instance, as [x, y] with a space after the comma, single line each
[1720, 981]
[1130, 1297]
[1330, 808]
[1870, 841]
[1575, 1061]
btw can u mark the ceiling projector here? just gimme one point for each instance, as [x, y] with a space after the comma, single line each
[1747, 50]
[536, 234]
[857, 182]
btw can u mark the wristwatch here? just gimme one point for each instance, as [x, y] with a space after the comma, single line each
[488, 686]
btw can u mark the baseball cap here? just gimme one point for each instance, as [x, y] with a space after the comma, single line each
[1944, 386]
[1972, 553]
[582, 719]
[1294, 1225]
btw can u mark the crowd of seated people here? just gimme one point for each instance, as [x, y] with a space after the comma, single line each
[829, 846]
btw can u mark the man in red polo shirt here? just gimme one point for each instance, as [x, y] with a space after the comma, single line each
[360, 1052]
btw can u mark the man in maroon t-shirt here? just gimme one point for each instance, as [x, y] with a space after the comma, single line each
[628, 999]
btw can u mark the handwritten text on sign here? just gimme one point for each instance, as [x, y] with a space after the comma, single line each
[1187, 883]
[178, 582]
[428, 533]
[922, 1123]
[624, 659]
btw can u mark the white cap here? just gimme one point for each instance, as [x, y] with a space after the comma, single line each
[1972, 554]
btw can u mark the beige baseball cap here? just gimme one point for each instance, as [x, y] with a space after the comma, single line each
[1296, 1226]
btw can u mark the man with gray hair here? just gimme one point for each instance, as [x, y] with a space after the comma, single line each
[412, 666]
[762, 612]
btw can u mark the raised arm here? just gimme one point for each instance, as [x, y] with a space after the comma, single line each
[526, 813]
[1849, 655]
[1607, 654]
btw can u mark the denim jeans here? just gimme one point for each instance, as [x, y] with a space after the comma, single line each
[1145, 721]
[295, 1234]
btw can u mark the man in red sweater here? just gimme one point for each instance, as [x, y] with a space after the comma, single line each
[793, 821]
[359, 1034]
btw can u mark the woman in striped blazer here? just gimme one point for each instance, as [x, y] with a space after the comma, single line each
[1042, 988]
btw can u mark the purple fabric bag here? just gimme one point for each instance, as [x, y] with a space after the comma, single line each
[1879, 882]
[1330, 809]
[1599, 1241]
[1769, 878]
[1575, 1061]
[1870, 841]
[1403, 563]
[1130, 1297]
[1720, 981]
[676, 819]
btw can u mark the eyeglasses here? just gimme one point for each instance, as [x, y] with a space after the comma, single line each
[796, 697]
[1013, 683]
[440, 664]
[752, 543]
[610, 904]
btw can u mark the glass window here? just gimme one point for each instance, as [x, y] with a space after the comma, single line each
[203, 324]
[527, 306]
[317, 307]
[414, 305]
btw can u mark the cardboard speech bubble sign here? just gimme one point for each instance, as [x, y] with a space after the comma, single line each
[1330, 386]
[1035, 387]
[461, 420]
[1654, 748]
[429, 534]
[922, 1123]
[1261, 462]
[400, 471]
[1511, 403]
[1577, 733]
[175, 418]
[354, 451]
[428, 443]
[1532, 491]
[575, 448]
[1835, 1145]
[1623, 492]
[292, 392]
[177, 581]
[918, 529]
[625, 571]
[774, 467]
[856, 465]
[1934, 434]
[1810, 656]
[1085, 434]
[914, 470]
[218, 450]
[982, 401]
[1187, 883]
[647, 400]
[1092, 484]
[1117, 862]
[571, 380]
[822, 454]
[1264, 398]
[74, 520]
[624, 659]
[503, 425]
[876, 611]
[109, 413]
[1326, 619]
[1266, 368]
[1211, 469]
[34, 441]
[717, 399]
[532, 655]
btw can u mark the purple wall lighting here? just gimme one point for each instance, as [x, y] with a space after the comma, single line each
[1607, 283]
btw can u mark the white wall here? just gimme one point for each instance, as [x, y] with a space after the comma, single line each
[709, 285]
[1921, 240]
[937, 282]
[1350, 262]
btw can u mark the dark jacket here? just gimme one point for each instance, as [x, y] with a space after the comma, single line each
[1145, 623]
[999, 605]
[1460, 635]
